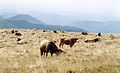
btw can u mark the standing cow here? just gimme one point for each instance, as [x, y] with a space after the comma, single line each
[47, 46]
[70, 41]
[99, 34]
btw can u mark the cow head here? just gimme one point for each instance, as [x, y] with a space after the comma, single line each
[74, 39]
[59, 51]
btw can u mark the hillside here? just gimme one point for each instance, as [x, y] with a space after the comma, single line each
[24, 56]
[28, 22]
[5, 24]
[26, 18]
[87, 23]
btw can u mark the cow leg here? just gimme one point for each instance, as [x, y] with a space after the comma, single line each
[41, 53]
[71, 45]
[61, 45]
[51, 54]
[46, 54]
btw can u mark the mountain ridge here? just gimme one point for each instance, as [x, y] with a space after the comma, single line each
[19, 21]
[27, 18]
[99, 26]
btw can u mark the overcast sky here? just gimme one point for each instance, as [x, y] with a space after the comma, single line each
[75, 7]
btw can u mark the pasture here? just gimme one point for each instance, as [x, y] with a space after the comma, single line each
[21, 53]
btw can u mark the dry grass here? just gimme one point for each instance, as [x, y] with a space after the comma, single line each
[24, 56]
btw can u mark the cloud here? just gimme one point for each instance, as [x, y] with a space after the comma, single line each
[94, 7]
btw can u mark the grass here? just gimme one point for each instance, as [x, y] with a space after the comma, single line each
[99, 57]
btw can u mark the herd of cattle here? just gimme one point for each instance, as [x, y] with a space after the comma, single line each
[47, 46]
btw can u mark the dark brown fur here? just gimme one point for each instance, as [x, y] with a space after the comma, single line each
[54, 31]
[13, 31]
[94, 40]
[49, 47]
[18, 39]
[99, 34]
[84, 33]
[70, 41]
[18, 34]
[44, 30]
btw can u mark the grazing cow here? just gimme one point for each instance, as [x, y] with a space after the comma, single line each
[70, 41]
[62, 31]
[44, 30]
[18, 34]
[47, 46]
[99, 34]
[18, 39]
[54, 31]
[94, 40]
[84, 33]
[13, 31]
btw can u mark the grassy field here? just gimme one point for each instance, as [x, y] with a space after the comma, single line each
[24, 56]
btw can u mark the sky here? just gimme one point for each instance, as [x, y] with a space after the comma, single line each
[110, 8]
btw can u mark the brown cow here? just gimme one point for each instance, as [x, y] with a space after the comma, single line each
[70, 41]
[94, 40]
[99, 34]
[84, 33]
[44, 30]
[47, 46]
[54, 31]
[13, 31]
[62, 31]
[18, 39]
[18, 34]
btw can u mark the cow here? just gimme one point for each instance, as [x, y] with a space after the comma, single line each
[54, 31]
[13, 31]
[99, 34]
[94, 40]
[18, 39]
[70, 41]
[18, 34]
[47, 46]
[62, 31]
[44, 30]
[84, 33]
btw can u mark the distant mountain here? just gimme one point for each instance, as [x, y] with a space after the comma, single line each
[55, 18]
[69, 23]
[98, 26]
[26, 22]
[5, 24]
[93, 26]
[1, 17]
[26, 18]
